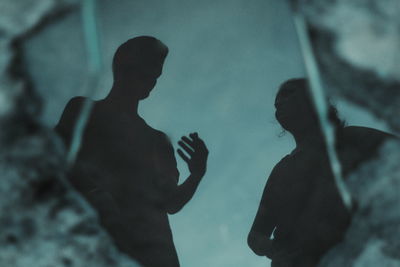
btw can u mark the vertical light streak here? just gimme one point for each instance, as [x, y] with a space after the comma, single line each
[94, 61]
[321, 106]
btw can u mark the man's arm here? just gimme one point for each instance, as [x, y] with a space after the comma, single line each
[197, 163]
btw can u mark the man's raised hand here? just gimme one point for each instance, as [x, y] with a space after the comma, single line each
[196, 154]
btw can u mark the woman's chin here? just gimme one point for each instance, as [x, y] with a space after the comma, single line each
[288, 126]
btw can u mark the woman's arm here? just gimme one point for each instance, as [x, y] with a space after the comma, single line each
[265, 221]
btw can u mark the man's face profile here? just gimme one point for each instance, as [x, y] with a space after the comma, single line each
[137, 65]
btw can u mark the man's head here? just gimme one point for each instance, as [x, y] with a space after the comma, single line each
[138, 63]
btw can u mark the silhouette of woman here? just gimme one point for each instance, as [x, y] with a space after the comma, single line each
[125, 168]
[300, 206]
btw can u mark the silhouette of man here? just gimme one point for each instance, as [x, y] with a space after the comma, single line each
[125, 168]
[300, 205]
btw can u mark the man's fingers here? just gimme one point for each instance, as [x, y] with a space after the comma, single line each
[186, 148]
[197, 142]
[183, 156]
[187, 141]
[200, 145]
[194, 135]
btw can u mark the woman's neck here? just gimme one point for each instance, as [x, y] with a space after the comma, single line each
[309, 140]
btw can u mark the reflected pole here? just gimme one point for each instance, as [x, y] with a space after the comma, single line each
[320, 103]
[94, 67]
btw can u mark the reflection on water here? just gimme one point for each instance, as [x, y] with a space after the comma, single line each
[225, 64]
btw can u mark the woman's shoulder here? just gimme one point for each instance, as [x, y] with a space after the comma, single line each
[362, 137]
[285, 160]
[357, 144]
[364, 132]
[281, 167]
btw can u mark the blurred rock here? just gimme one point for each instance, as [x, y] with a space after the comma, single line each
[55, 59]
[356, 43]
[43, 221]
[373, 237]
[18, 19]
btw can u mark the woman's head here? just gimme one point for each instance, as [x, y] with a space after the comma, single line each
[295, 109]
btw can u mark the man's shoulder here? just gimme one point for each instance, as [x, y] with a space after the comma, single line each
[160, 135]
[71, 112]
[74, 107]
[76, 103]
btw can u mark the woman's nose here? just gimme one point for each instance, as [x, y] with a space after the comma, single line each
[279, 103]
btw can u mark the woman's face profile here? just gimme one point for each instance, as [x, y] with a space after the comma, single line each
[293, 108]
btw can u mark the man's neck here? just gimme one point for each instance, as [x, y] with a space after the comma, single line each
[121, 102]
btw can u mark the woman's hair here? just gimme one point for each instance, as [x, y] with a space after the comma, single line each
[333, 116]
[302, 84]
